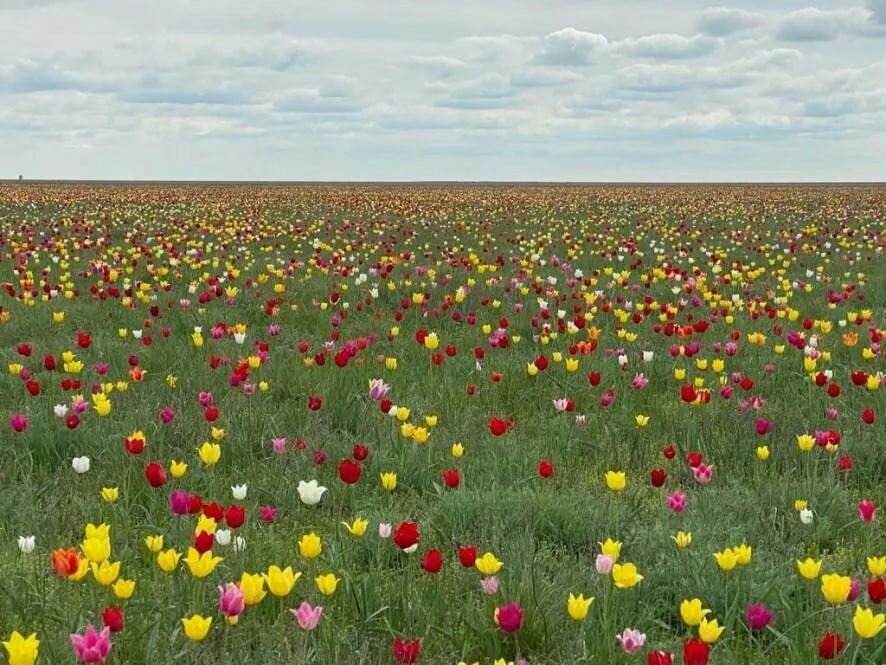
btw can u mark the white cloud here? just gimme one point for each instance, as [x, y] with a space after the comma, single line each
[813, 24]
[721, 21]
[668, 46]
[570, 47]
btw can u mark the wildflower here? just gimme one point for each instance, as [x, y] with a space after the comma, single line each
[691, 612]
[326, 584]
[310, 546]
[757, 616]
[867, 625]
[615, 480]
[611, 548]
[682, 539]
[358, 528]
[253, 587]
[726, 559]
[22, 650]
[809, 568]
[632, 640]
[168, 560]
[835, 588]
[93, 646]
[488, 564]
[310, 492]
[509, 617]
[196, 627]
[578, 606]
[280, 582]
[203, 564]
[625, 576]
[710, 631]
[307, 617]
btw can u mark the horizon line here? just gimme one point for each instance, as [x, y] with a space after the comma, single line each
[432, 182]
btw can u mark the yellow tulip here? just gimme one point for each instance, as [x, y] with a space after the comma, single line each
[326, 584]
[168, 560]
[309, 545]
[123, 589]
[877, 566]
[866, 624]
[578, 606]
[809, 568]
[203, 564]
[106, 572]
[358, 528]
[22, 650]
[389, 481]
[835, 588]
[177, 469]
[210, 453]
[616, 480]
[710, 631]
[96, 548]
[682, 539]
[196, 627]
[625, 576]
[692, 612]
[488, 564]
[253, 587]
[280, 582]
[726, 559]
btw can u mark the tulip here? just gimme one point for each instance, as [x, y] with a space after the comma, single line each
[695, 652]
[253, 587]
[692, 613]
[80, 464]
[488, 565]
[406, 652]
[578, 606]
[509, 617]
[22, 650]
[726, 560]
[210, 453]
[625, 576]
[310, 492]
[113, 618]
[123, 589]
[280, 582]
[757, 616]
[326, 584]
[835, 588]
[682, 539]
[203, 564]
[809, 568]
[710, 631]
[866, 511]
[632, 640]
[26, 544]
[93, 646]
[611, 548]
[307, 617]
[310, 546]
[230, 602]
[196, 627]
[603, 563]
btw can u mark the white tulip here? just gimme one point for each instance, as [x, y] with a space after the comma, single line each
[384, 530]
[26, 544]
[806, 516]
[310, 492]
[80, 464]
[239, 544]
[223, 537]
[60, 410]
[239, 491]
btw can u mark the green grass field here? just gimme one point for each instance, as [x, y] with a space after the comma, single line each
[759, 311]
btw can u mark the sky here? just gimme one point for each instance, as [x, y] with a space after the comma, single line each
[543, 90]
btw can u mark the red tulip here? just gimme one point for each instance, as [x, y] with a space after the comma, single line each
[134, 446]
[406, 535]
[155, 474]
[406, 652]
[235, 516]
[451, 478]
[877, 590]
[211, 414]
[657, 477]
[688, 394]
[594, 378]
[659, 658]
[315, 402]
[694, 459]
[669, 452]
[541, 363]
[830, 646]
[432, 561]
[467, 556]
[349, 471]
[360, 452]
[868, 416]
[204, 541]
[84, 341]
[834, 390]
[545, 469]
[695, 652]
[214, 510]
[497, 426]
[49, 363]
[113, 619]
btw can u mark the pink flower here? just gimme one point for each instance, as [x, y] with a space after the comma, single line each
[866, 510]
[639, 381]
[757, 616]
[267, 513]
[230, 601]
[19, 422]
[603, 564]
[205, 399]
[180, 502]
[854, 590]
[832, 413]
[489, 585]
[703, 473]
[307, 617]
[378, 389]
[726, 392]
[167, 415]
[92, 646]
[731, 349]
[279, 445]
[677, 500]
[510, 617]
[631, 639]
[762, 426]
[607, 398]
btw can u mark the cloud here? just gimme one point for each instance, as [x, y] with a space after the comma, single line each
[812, 24]
[441, 66]
[484, 48]
[878, 10]
[570, 47]
[25, 76]
[322, 100]
[722, 21]
[485, 92]
[538, 77]
[278, 56]
[669, 46]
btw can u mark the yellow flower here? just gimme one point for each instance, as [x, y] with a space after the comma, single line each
[679, 373]
[726, 559]
[96, 548]
[625, 576]
[682, 539]
[309, 545]
[641, 420]
[171, 380]
[877, 566]
[611, 548]
[578, 606]
[432, 341]
[615, 480]
[123, 589]
[196, 627]
[710, 631]
[407, 430]
[571, 364]
[391, 363]
[457, 450]
[106, 572]
[389, 481]
[210, 453]
[22, 650]
[110, 494]
[809, 568]
[168, 560]
[805, 442]
[217, 433]
[866, 624]
[203, 564]
[253, 587]
[326, 584]
[177, 469]
[420, 435]
[488, 564]
[800, 504]
[205, 523]
[835, 588]
[280, 582]
[402, 414]
[82, 570]
[531, 369]
[358, 528]
[692, 612]
[762, 453]
[742, 554]
[431, 421]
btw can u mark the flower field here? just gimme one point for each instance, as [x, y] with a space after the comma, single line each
[425, 424]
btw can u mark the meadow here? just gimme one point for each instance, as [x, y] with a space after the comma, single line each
[427, 424]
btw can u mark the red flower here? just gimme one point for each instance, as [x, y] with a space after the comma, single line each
[385, 405]
[859, 378]
[432, 561]
[669, 452]
[657, 477]
[545, 469]
[834, 390]
[542, 363]
[84, 341]
[211, 414]
[156, 474]
[830, 646]
[406, 535]
[659, 658]
[214, 511]
[467, 556]
[695, 652]
[113, 618]
[694, 459]
[72, 421]
[135, 445]
[688, 394]
[23, 349]
[747, 383]
[204, 541]
[349, 471]
[868, 416]
[315, 402]
[49, 363]
[235, 516]
[762, 426]
[406, 651]
[497, 426]
[33, 387]
[845, 463]
[451, 478]
[360, 452]
[877, 590]
[594, 378]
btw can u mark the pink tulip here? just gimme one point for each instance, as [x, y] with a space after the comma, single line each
[19, 422]
[92, 646]
[603, 564]
[866, 510]
[230, 601]
[677, 501]
[510, 617]
[489, 585]
[631, 640]
[703, 473]
[307, 617]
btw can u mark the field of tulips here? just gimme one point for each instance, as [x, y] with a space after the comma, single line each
[442, 425]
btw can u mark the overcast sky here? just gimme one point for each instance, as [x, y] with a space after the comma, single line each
[452, 90]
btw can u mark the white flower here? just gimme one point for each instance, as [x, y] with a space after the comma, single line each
[411, 549]
[60, 410]
[384, 530]
[26, 544]
[223, 537]
[239, 337]
[806, 516]
[310, 492]
[137, 334]
[622, 359]
[648, 356]
[239, 544]
[80, 464]
[239, 491]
